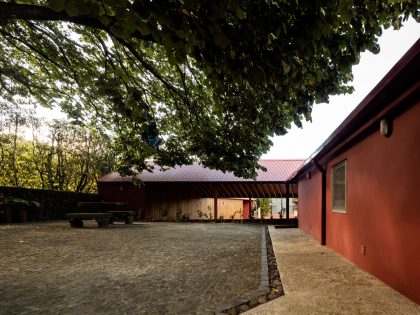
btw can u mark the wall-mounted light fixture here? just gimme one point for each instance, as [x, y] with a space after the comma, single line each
[385, 127]
[308, 175]
[121, 188]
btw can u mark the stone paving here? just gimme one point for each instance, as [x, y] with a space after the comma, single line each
[145, 268]
[316, 280]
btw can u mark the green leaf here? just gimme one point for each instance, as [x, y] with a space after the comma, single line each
[143, 28]
[56, 5]
[345, 10]
[397, 23]
[72, 8]
[180, 33]
[157, 35]
[180, 56]
[258, 74]
[104, 20]
[241, 14]
[286, 67]
[221, 40]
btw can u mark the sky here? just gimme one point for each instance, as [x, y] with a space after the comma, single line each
[301, 143]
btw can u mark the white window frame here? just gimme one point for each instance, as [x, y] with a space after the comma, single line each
[336, 166]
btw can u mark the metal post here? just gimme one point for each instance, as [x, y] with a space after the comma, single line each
[287, 201]
[215, 207]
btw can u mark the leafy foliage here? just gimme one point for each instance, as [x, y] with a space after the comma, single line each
[71, 158]
[180, 80]
[264, 205]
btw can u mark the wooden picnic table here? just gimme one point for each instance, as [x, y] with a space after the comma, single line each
[76, 218]
[117, 210]
[128, 216]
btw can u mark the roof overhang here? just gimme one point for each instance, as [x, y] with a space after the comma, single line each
[397, 91]
[204, 182]
[226, 189]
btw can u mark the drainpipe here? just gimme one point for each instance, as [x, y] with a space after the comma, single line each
[323, 202]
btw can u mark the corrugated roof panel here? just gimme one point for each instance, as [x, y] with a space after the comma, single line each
[277, 171]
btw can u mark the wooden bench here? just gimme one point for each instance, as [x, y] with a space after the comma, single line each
[75, 219]
[128, 216]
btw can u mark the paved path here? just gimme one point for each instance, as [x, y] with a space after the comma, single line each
[317, 280]
[147, 268]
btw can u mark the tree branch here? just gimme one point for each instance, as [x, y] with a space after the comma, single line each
[30, 12]
[149, 67]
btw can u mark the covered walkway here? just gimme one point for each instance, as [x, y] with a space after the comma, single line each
[317, 280]
[204, 182]
[167, 188]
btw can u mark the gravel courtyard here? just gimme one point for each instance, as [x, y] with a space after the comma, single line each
[145, 268]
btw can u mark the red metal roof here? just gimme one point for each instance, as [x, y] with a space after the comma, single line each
[277, 171]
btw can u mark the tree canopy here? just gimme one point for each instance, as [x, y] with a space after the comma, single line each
[179, 80]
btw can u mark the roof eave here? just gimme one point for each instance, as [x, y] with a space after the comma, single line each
[389, 87]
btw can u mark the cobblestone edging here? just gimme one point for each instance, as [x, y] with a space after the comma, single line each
[270, 284]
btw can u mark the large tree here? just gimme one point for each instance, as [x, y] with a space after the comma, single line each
[179, 80]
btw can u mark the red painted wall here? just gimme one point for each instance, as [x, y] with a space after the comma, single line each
[309, 206]
[383, 205]
[123, 192]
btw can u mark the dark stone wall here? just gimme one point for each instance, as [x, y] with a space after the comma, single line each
[53, 204]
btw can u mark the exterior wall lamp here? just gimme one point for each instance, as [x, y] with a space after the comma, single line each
[385, 127]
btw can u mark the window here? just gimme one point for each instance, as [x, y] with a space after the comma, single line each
[339, 187]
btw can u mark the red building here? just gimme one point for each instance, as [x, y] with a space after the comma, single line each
[359, 193]
[193, 189]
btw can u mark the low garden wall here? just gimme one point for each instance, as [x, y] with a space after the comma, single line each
[22, 204]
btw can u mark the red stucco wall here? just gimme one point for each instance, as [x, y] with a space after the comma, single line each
[309, 206]
[383, 205]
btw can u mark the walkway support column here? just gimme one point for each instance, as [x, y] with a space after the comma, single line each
[215, 207]
[250, 213]
[287, 201]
